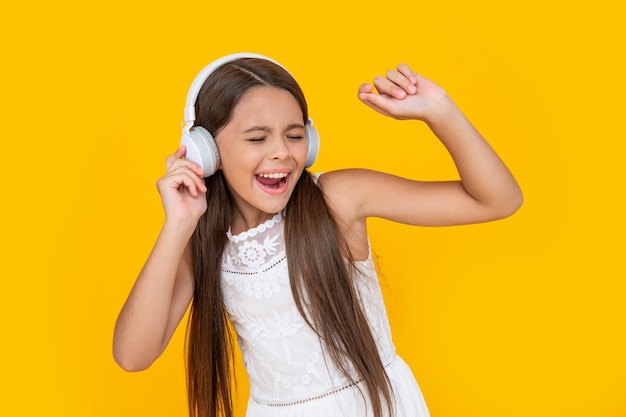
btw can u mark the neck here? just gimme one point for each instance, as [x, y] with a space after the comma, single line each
[242, 222]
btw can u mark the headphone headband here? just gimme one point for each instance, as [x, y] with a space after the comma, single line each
[198, 82]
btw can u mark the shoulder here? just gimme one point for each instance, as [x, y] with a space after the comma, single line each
[347, 196]
[332, 180]
[346, 189]
[350, 182]
[342, 176]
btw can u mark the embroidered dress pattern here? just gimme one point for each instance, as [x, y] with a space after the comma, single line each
[286, 363]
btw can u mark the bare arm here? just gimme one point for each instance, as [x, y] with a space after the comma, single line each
[486, 191]
[164, 287]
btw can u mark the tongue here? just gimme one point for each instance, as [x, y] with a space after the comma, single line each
[270, 182]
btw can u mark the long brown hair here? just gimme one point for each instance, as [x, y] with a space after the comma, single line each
[320, 265]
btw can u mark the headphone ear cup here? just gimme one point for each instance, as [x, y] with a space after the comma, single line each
[201, 149]
[313, 143]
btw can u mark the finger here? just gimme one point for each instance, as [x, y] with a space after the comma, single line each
[364, 91]
[183, 179]
[366, 88]
[193, 185]
[402, 78]
[386, 85]
[405, 70]
[188, 171]
[376, 102]
[183, 165]
[176, 160]
[180, 152]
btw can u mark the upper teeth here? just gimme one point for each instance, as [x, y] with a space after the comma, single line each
[274, 175]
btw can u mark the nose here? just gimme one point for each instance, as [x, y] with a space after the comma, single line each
[280, 149]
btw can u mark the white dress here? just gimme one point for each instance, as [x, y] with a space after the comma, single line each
[286, 364]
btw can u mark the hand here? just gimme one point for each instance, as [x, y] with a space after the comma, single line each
[182, 189]
[404, 94]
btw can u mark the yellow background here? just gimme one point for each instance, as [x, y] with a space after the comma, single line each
[522, 317]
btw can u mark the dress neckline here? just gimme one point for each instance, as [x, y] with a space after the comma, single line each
[266, 225]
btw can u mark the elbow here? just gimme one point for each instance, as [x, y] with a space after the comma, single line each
[517, 202]
[131, 365]
[129, 362]
[510, 206]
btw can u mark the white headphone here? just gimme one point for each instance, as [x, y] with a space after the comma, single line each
[200, 144]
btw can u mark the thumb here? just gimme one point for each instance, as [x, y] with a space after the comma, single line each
[378, 102]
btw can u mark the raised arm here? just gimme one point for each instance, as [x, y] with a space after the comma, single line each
[486, 190]
[164, 287]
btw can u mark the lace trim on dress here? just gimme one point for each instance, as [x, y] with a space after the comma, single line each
[256, 230]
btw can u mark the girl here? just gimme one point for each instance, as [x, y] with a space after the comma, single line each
[313, 330]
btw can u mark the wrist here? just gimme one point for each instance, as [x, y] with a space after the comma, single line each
[179, 227]
[443, 112]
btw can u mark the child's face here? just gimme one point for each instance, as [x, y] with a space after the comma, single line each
[263, 151]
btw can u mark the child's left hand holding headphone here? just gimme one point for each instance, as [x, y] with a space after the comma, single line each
[403, 94]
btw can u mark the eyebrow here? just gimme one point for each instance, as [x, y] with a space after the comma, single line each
[268, 129]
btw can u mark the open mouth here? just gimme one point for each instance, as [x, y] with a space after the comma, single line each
[273, 180]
